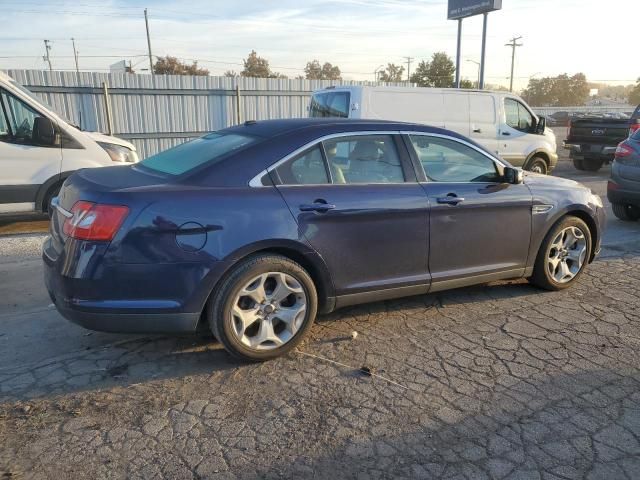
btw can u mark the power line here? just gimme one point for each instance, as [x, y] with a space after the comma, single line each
[146, 23]
[46, 57]
[513, 43]
[409, 60]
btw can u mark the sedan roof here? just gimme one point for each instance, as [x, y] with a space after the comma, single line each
[324, 126]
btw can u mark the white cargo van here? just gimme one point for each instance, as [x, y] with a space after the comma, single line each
[499, 121]
[39, 150]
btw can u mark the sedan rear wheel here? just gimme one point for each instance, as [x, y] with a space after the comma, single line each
[563, 254]
[263, 308]
[626, 213]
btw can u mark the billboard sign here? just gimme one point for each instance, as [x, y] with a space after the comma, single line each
[468, 8]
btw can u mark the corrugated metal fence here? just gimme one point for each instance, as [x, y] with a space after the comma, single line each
[157, 112]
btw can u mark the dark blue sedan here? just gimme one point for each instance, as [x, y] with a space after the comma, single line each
[253, 230]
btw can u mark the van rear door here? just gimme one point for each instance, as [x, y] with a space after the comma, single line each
[330, 103]
[456, 112]
[483, 120]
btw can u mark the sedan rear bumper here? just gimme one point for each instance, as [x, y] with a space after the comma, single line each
[118, 316]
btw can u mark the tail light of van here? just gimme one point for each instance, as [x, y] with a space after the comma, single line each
[93, 221]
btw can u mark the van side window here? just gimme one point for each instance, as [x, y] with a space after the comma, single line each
[517, 116]
[446, 160]
[20, 117]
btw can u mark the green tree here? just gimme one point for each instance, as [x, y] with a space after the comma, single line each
[315, 71]
[560, 91]
[634, 95]
[172, 66]
[393, 73]
[255, 66]
[438, 72]
[230, 73]
[464, 83]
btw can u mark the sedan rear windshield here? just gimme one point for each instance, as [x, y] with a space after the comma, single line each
[330, 104]
[189, 155]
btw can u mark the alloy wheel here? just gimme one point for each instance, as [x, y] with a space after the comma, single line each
[567, 254]
[268, 311]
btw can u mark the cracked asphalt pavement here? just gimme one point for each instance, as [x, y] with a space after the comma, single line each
[494, 381]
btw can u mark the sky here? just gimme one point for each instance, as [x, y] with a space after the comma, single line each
[559, 36]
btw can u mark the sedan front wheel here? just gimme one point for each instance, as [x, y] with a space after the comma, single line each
[563, 254]
[263, 308]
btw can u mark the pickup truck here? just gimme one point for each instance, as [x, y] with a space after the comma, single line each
[592, 140]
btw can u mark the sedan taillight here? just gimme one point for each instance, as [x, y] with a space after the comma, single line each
[623, 150]
[92, 221]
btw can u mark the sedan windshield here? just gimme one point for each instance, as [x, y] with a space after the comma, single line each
[187, 156]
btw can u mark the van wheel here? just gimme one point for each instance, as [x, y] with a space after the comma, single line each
[563, 254]
[50, 195]
[592, 165]
[578, 164]
[538, 165]
[263, 308]
[626, 213]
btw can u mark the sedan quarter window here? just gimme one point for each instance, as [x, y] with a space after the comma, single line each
[364, 159]
[446, 160]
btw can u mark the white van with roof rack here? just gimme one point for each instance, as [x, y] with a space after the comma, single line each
[39, 150]
[499, 121]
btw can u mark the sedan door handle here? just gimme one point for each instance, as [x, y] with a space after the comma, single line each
[317, 207]
[450, 200]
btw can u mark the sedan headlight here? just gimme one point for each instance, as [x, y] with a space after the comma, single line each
[118, 153]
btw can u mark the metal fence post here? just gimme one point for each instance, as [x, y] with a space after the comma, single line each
[238, 115]
[107, 108]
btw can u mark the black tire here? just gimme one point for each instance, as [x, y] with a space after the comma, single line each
[592, 165]
[578, 163]
[538, 165]
[541, 277]
[221, 302]
[46, 201]
[626, 213]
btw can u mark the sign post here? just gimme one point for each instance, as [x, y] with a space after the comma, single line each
[460, 9]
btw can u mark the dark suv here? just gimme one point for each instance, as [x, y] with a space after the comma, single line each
[623, 190]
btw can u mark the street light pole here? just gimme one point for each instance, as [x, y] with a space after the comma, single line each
[484, 50]
[458, 53]
[47, 57]
[375, 73]
[478, 64]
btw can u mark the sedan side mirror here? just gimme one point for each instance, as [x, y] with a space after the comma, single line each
[515, 176]
[44, 133]
[541, 125]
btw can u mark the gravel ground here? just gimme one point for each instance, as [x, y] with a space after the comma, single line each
[494, 381]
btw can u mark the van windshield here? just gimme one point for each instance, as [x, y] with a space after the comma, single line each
[330, 104]
[189, 155]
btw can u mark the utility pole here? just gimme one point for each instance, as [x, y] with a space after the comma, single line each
[409, 60]
[75, 54]
[513, 43]
[146, 22]
[46, 57]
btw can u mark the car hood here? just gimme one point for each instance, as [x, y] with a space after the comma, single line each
[537, 179]
[101, 137]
